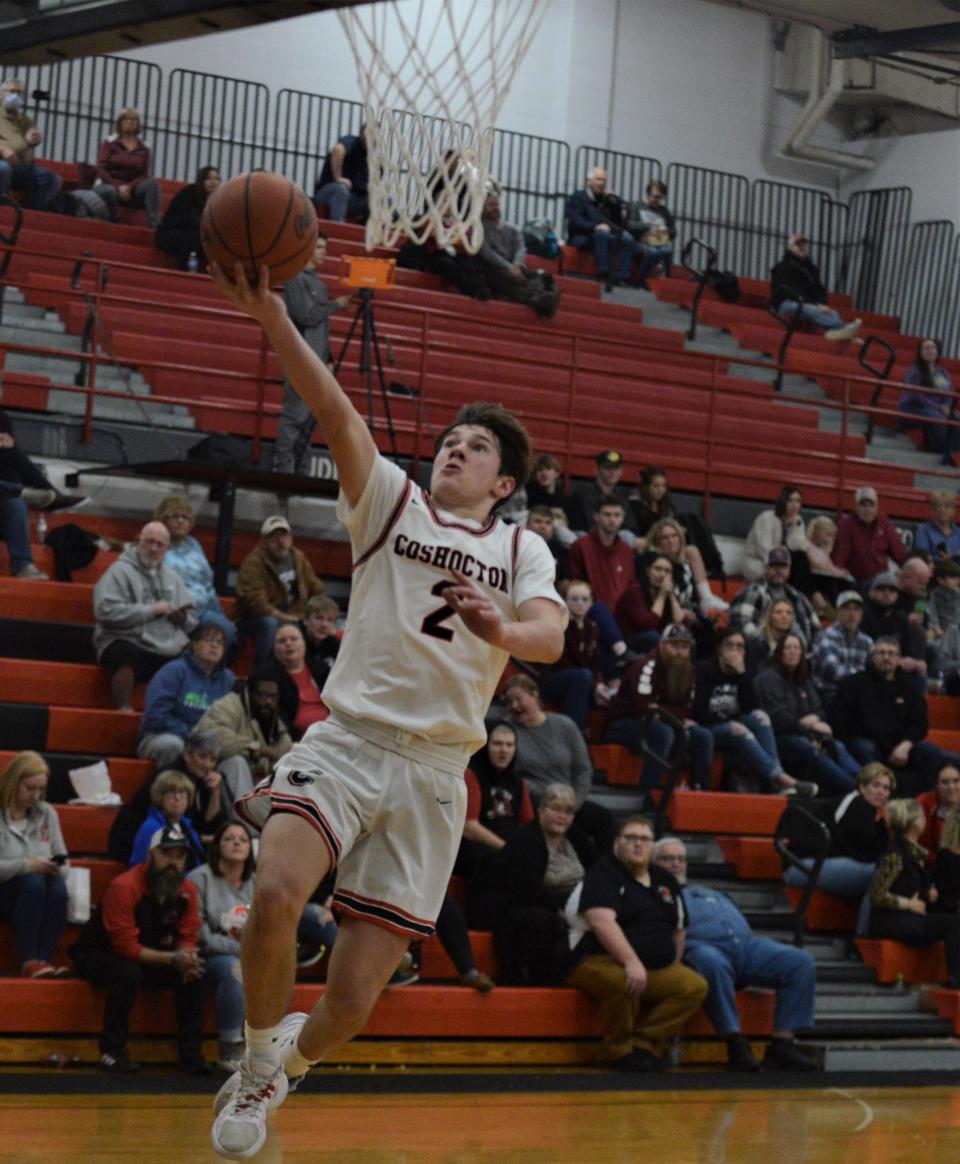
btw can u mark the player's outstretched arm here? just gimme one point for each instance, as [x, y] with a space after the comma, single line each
[535, 636]
[351, 444]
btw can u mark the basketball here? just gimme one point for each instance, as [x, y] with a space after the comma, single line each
[259, 219]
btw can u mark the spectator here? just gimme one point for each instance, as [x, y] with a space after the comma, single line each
[19, 138]
[144, 935]
[299, 679]
[805, 740]
[940, 536]
[595, 222]
[858, 836]
[123, 170]
[540, 865]
[318, 627]
[144, 614]
[796, 289]
[667, 536]
[541, 520]
[653, 226]
[172, 796]
[901, 892]
[883, 616]
[586, 499]
[843, 649]
[550, 748]
[779, 621]
[180, 692]
[576, 679]
[750, 605]
[724, 950]
[725, 704]
[33, 894]
[179, 231]
[21, 477]
[653, 501]
[225, 891]
[545, 487]
[15, 531]
[913, 599]
[946, 868]
[310, 308]
[274, 583]
[937, 804]
[503, 263]
[344, 179]
[604, 560]
[251, 733]
[827, 579]
[932, 396]
[866, 538]
[185, 557]
[881, 714]
[665, 679]
[780, 526]
[631, 953]
[649, 605]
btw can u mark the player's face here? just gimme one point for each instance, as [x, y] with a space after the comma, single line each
[466, 469]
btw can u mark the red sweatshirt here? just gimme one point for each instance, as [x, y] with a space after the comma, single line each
[123, 913]
[608, 569]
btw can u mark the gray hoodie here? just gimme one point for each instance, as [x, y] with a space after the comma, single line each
[217, 899]
[37, 835]
[123, 601]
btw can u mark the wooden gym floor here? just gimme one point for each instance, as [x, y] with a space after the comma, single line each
[820, 1125]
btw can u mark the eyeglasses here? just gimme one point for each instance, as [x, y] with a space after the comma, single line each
[668, 860]
[634, 839]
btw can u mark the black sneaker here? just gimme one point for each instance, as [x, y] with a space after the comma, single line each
[740, 1054]
[119, 1063]
[637, 1060]
[804, 788]
[785, 1055]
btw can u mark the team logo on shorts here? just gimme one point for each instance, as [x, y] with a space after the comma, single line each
[299, 778]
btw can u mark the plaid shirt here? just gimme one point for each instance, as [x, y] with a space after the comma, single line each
[750, 605]
[835, 656]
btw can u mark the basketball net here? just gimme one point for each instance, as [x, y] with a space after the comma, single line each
[434, 75]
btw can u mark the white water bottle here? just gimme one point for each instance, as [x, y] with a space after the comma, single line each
[41, 527]
[193, 263]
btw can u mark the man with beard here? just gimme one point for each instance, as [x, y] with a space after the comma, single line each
[753, 601]
[664, 679]
[144, 935]
[251, 734]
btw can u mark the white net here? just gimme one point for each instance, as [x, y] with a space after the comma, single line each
[434, 74]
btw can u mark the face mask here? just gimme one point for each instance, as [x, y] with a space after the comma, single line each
[12, 101]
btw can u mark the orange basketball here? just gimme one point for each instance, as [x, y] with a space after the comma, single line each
[261, 220]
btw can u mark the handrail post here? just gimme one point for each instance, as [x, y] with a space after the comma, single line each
[90, 381]
[261, 397]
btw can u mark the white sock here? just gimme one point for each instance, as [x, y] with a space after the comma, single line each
[263, 1046]
[295, 1064]
[703, 589]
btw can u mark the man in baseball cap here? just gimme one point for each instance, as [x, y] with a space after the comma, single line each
[605, 486]
[753, 602]
[796, 289]
[866, 538]
[843, 649]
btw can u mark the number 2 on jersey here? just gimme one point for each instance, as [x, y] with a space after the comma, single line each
[433, 622]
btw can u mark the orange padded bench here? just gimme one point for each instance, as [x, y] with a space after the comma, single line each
[754, 858]
[85, 827]
[833, 915]
[725, 812]
[107, 733]
[892, 960]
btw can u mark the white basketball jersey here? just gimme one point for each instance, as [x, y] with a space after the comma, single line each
[407, 660]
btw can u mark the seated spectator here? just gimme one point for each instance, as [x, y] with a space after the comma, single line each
[780, 526]
[541, 520]
[796, 288]
[274, 583]
[828, 580]
[948, 661]
[144, 614]
[779, 621]
[595, 222]
[842, 649]
[251, 733]
[805, 740]
[498, 803]
[551, 748]
[319, 629]
[944, 606]
[576, 680]
[144, 935]
[545, 487]
[913, 599]
[179, 231]
[299, 679]
[858, 836]
[583, 504]
[21, 477]
[652, 225]
[937, 804]
[663, 679]
[723, 949]
[940, 536]
[866, 538]
[650, 604]
[667, 536]
[185, 557]
[503, 263]
[630, 955]
[33, 894]
[931, 396]
[15, 531]
[344, 180]
[902, 893]
[652, 501]
[726, 705]
[180, 692]
[540, 865]
[946, 866]
[881, 715]
[604, 560]
[171, 798]
[19, 138]
[123, 170]
[883, 616]
[750, 605]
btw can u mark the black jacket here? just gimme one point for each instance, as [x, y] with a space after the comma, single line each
[289, 694]
[523, 863]
[884, 711]
[720, 697]
[796, 278]
[584, 214]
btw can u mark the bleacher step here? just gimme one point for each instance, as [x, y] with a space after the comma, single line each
[837, 970]
[903, 1056]
[843, 998]
[867, 1024]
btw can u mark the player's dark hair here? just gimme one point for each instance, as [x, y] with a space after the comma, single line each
[514, 441]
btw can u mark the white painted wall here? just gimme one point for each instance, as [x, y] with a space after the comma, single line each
[926, 162]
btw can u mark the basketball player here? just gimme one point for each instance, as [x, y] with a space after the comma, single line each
[443, 594]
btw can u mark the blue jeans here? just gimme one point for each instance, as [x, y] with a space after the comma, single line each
[659, 737]
[840, 875]
[222, 973]
[755, 962]
[36, 906]
[602, 243]
[340, 202]
[810, 313]
[924, 763]
[653, 257]
[940, 437]
[43, 185]
[15, 530]
[757, 752]
[572, 689]
[263, 631]
[833, 776]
